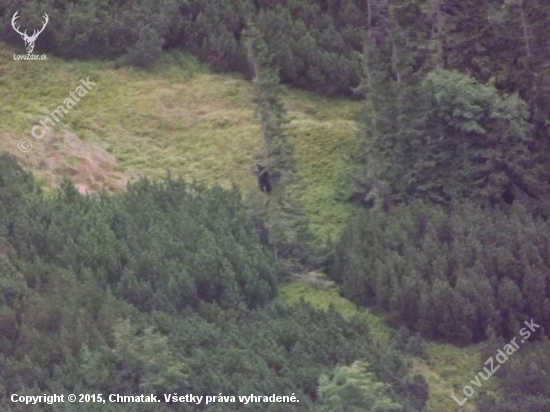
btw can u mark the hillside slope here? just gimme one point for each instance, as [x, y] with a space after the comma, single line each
[179, 117]
[183, 118]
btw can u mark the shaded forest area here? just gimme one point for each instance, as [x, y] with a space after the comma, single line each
[167, 289]
[450, 235]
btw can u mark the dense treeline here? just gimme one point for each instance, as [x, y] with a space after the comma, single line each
[316, 45]
[461, 275]
[166, 289]
[448, 138]
[452, 167]
[162, 248]
[452, 164]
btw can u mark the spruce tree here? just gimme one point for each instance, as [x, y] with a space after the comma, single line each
[294, 245]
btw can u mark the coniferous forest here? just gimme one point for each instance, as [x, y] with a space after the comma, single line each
[173, 286]
[166, 290]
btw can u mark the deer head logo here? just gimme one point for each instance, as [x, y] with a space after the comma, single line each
[29, 40]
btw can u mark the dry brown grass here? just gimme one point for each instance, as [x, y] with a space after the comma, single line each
[61, 154]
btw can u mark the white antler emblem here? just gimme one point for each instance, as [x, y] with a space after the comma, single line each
[29, 40]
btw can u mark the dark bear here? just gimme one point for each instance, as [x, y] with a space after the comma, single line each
[509, 194]
[263, 178]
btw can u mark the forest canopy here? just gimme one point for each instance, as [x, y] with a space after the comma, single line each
[172, 285]
[164, 288]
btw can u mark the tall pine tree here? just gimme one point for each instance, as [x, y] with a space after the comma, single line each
[294, 245]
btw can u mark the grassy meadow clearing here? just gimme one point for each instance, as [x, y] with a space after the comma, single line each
[183, 118]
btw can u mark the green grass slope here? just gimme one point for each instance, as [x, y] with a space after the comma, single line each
[179, 117]
[449, 370]
[183, 118]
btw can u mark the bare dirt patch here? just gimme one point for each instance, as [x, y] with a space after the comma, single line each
[88, 165]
